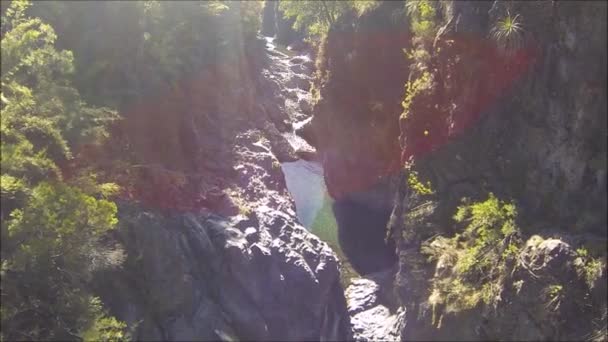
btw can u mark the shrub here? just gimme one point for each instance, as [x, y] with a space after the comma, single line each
[508, 32]
[553, 296]
[418, 186]
[423, 15]
[316, 17]
[591, 268]
[413, 88]
[104, 327]
[477, 260]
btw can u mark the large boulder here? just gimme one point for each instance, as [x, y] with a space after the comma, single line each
[253, 274]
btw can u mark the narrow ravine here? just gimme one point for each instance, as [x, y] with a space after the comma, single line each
[292, 74]
[285, 170]
[370, 315]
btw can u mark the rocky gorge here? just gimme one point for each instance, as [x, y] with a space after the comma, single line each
[242, 267]
[354, 170]
[244, 275]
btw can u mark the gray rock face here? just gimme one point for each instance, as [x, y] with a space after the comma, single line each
[531, 147]
[544, 297]
[237, 265]
[257, 275]
[535, 134]
[298, 82]
[306, 132]
[549, 298]
[370, 318]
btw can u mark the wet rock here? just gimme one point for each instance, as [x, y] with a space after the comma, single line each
[298, 82]
[309, 65]
[268, 19]
[291, 94]
[306, 131]
[281, 148]
[301, 69]
[307, 154]
[305, 106]
[200, 276]
[251, 234]
[297, 60]
[359, 134]
[297, 46]
[370, 318]
[482, 134]
[551, 255]
[278, 117]
[361, 295]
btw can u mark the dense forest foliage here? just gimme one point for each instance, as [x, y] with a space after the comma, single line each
[316, 17]
[68, 70]
[51, 226]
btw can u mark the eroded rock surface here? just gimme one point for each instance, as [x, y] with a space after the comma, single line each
[372, 318]
[234, 263]
[525, 124]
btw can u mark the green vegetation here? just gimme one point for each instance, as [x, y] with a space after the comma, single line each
[423, 17]
[160, 43]
[508, 32]
[553, 295]
[417, 185]
[316, 17]
[591, 268]
[51, 227]
[59, 58]
[414, 88]
[105, 328]
[489, 223]
[476, 261]
[239, 202]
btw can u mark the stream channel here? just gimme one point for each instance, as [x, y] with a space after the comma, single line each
[304, 179]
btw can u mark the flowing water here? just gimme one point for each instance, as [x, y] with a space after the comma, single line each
[304, 179]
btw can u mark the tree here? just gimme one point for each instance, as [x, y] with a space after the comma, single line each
[316, 17]
[50, 227]
[161, 42]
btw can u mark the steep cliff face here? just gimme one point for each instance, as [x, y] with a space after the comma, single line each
[214, 250]
[522, 117]
[524, 122]
[358, 90]
[537, 111]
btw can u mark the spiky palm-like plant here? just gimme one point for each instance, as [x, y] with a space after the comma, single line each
[508, 32]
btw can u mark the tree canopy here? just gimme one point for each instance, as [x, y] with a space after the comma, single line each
[50, 226]
[69, 70]
[316, 17]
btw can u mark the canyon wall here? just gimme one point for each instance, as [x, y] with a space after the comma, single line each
[466, 113]
[212, 246]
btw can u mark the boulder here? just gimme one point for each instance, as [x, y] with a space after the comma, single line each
[306, 131]
[253, 275]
